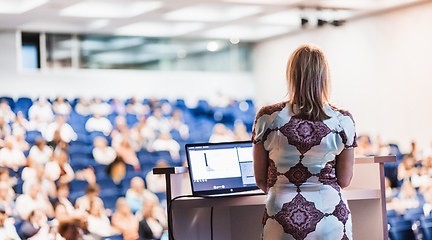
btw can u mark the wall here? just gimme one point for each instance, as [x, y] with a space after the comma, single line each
[190, 86]
[381, 72]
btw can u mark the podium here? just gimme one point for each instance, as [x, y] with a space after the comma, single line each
[240, 217]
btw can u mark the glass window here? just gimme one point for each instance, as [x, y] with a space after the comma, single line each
[30, 50]
[58, 50]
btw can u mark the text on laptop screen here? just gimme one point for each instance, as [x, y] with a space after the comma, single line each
[227, 167]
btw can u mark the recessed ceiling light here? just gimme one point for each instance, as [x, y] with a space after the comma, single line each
[212, 13]
[159, 29]
[19, 6]
[245, 32]
[212, 46]
[288, 18]
[97, 9]
[234, 40]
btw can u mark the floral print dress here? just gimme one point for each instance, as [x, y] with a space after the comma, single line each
[304, 200]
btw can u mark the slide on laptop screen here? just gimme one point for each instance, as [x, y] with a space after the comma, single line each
[221, 168]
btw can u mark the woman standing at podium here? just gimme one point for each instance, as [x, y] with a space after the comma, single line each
[304, 156]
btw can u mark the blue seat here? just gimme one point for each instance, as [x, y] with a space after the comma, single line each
[110, 201]
[131, 119]
[107, 185]
[10, 101]
[24, 102]
[401, 230]
[114, 237]
[77, 185]
[32, 135]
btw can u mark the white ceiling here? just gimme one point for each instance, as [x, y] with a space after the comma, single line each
[248, 20]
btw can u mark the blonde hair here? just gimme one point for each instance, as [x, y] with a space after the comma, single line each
[308, 79]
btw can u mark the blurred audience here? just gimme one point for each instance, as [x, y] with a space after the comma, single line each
[124, 220]
[98, 123]
[137, 194]
[60, 131]
[102, 153]
[40, 114]
[100, 108]
[7, 229]
[165, 143]
[221, 134]
[98, 222]
[83, 107]
[40, 153]
[11, 156]
[61, 107]
[59, 169]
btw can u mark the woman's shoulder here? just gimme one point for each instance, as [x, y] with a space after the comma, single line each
[340, 112]
[270, 109]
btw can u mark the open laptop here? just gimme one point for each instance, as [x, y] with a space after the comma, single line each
[220, 169]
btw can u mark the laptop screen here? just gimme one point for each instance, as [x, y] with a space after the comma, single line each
[220, 167]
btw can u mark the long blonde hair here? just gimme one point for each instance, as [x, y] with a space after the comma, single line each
[308, 79]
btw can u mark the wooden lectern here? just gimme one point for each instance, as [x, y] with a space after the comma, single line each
[239, 217]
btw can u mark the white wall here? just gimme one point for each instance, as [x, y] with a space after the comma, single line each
[190, 86]
[381, 70]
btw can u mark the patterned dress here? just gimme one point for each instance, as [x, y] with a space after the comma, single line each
[304, 200]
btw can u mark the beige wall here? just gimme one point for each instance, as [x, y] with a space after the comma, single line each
[381, 70]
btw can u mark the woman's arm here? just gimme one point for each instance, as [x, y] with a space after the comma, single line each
[260, 165]
[344, 167]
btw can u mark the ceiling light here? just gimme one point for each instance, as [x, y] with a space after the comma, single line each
[246, 32]
[19, 6]
[212, 13]
[212, 46]
[234, 40]
[159, 29]
[289, 18]
[97, 9]
[100, 23]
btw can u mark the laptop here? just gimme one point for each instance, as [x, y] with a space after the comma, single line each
[221, 169]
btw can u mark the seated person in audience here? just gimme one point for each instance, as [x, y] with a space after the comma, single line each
[158, 122]
[92, 195]
[11, 156]
[61, 107]
[6, 111]
[83, 107]
[35, 227]
[241, 133]
[59, 169]
[165, 143]
[20, 142]
[406, 168]
[36, 172]
[137, 108]
[7, 229]
[118, 106]
[153, 218]
[21, 123]
[40, 114]
[365, 147]
[63, 197]
[122, 144]
[221, 134]
[407, 198]
[40, 153]
[124, 220]
[98, 222]
[420, 178]
[137, 194]
[70, 229]
[178, 124]
[166, 109]
[156, 182]
[60, 131]
[5, 130]
[154, 103]
[146, 134]
[220, 100]
[102, 153]
[98, 123]
[60, 213]
[98, 107]
[10, 181]
[6, 200]
[33, 199]
[117, 169]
